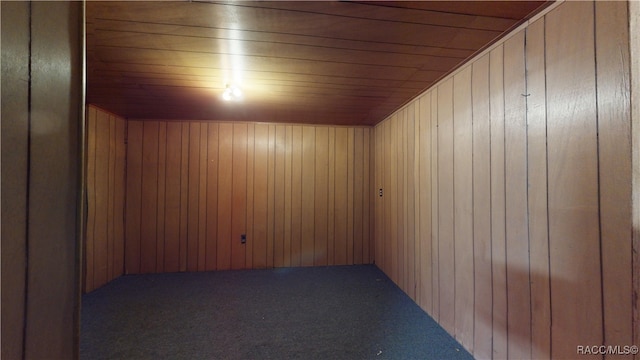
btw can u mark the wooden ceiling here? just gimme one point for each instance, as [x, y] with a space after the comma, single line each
[301, 62]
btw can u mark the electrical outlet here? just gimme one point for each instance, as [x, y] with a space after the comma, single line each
[243, 239]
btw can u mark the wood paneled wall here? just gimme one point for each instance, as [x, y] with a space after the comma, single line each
[300, 193]
[506, 212]
[104, 232]
[41, 115]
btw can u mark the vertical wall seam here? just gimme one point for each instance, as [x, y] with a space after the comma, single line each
[504, 199]
[473, 237]
[28, 184]
[526, 141]
[599, 189]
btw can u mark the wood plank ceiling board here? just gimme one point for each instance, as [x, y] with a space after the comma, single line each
[322, 62]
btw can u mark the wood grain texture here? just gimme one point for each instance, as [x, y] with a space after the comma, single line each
[463, 207]
[537, 192]
[435, 240]
[89, 241]
[517, 222]
[615, 166]
[424, 216]
[574, 229]
[286, 187]
[133, 195]
[101, 227]
[634, 65]
[446, 245]
[498, 244]
[481, 208]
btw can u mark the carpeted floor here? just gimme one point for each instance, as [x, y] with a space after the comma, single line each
[340, 312]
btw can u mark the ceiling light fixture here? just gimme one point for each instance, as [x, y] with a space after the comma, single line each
[232, 93]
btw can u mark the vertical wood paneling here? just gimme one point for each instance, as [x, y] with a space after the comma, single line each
[279, 218]
[111, 198]
[211, 242]
[321, 196]
[340, 212]
[161, 195]
[225, 196]
[172, 199]
[331, 234]
[260, 208]
[288, 142]
[193, 212]
[435, 223]
[184, 194]
[517, 236]
[424, 189]
[573, 179]
[379, 200]
[271, 195]
[481, 209]
[89, 247]
[101, 227]
[531, 236]
[614, 152]
[498, 245]
[149, 197]
[537, 192]
[367, 239]
[239, 193]
[250, 191]
[119, 194]
[446, 206]
[296, 196]
[358, 178]
[410, 248]
[350, 192]
[463, 207]
[308, 198]
[134, 199]
[202, 199]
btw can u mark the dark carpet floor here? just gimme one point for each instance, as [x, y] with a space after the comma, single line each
[340, 312]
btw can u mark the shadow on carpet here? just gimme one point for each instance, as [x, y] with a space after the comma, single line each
[337, 312]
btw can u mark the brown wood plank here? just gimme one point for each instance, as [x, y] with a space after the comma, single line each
[321, 210]
[398, 176]
[239, 194]
[288, 142]
[101, 232]
[435, 205]
[149, 197]
[378, 202]
[260, 208]
[390, 212]
[279, 197]
[481, 209]
[517, 223]
[161, 193]
[423, 214]
[225, 196]
[194, 196]
[537, 196]
[574, 244]
[614, 156]
[331, 206]
[133, 196]
[89, 244]
[340, 211]
[308, 198]
[498, 245]
[367, 172]
[446, 206]
[184, 195]
[110, 200]
[211, 242]
[250, 199]
[120, 181]
[296, 196]
[172, 199]
[463, 207]
[271, 195]
[350, 193]
[412, 172]
[634, 50]
[358, 195]
[202, 191]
